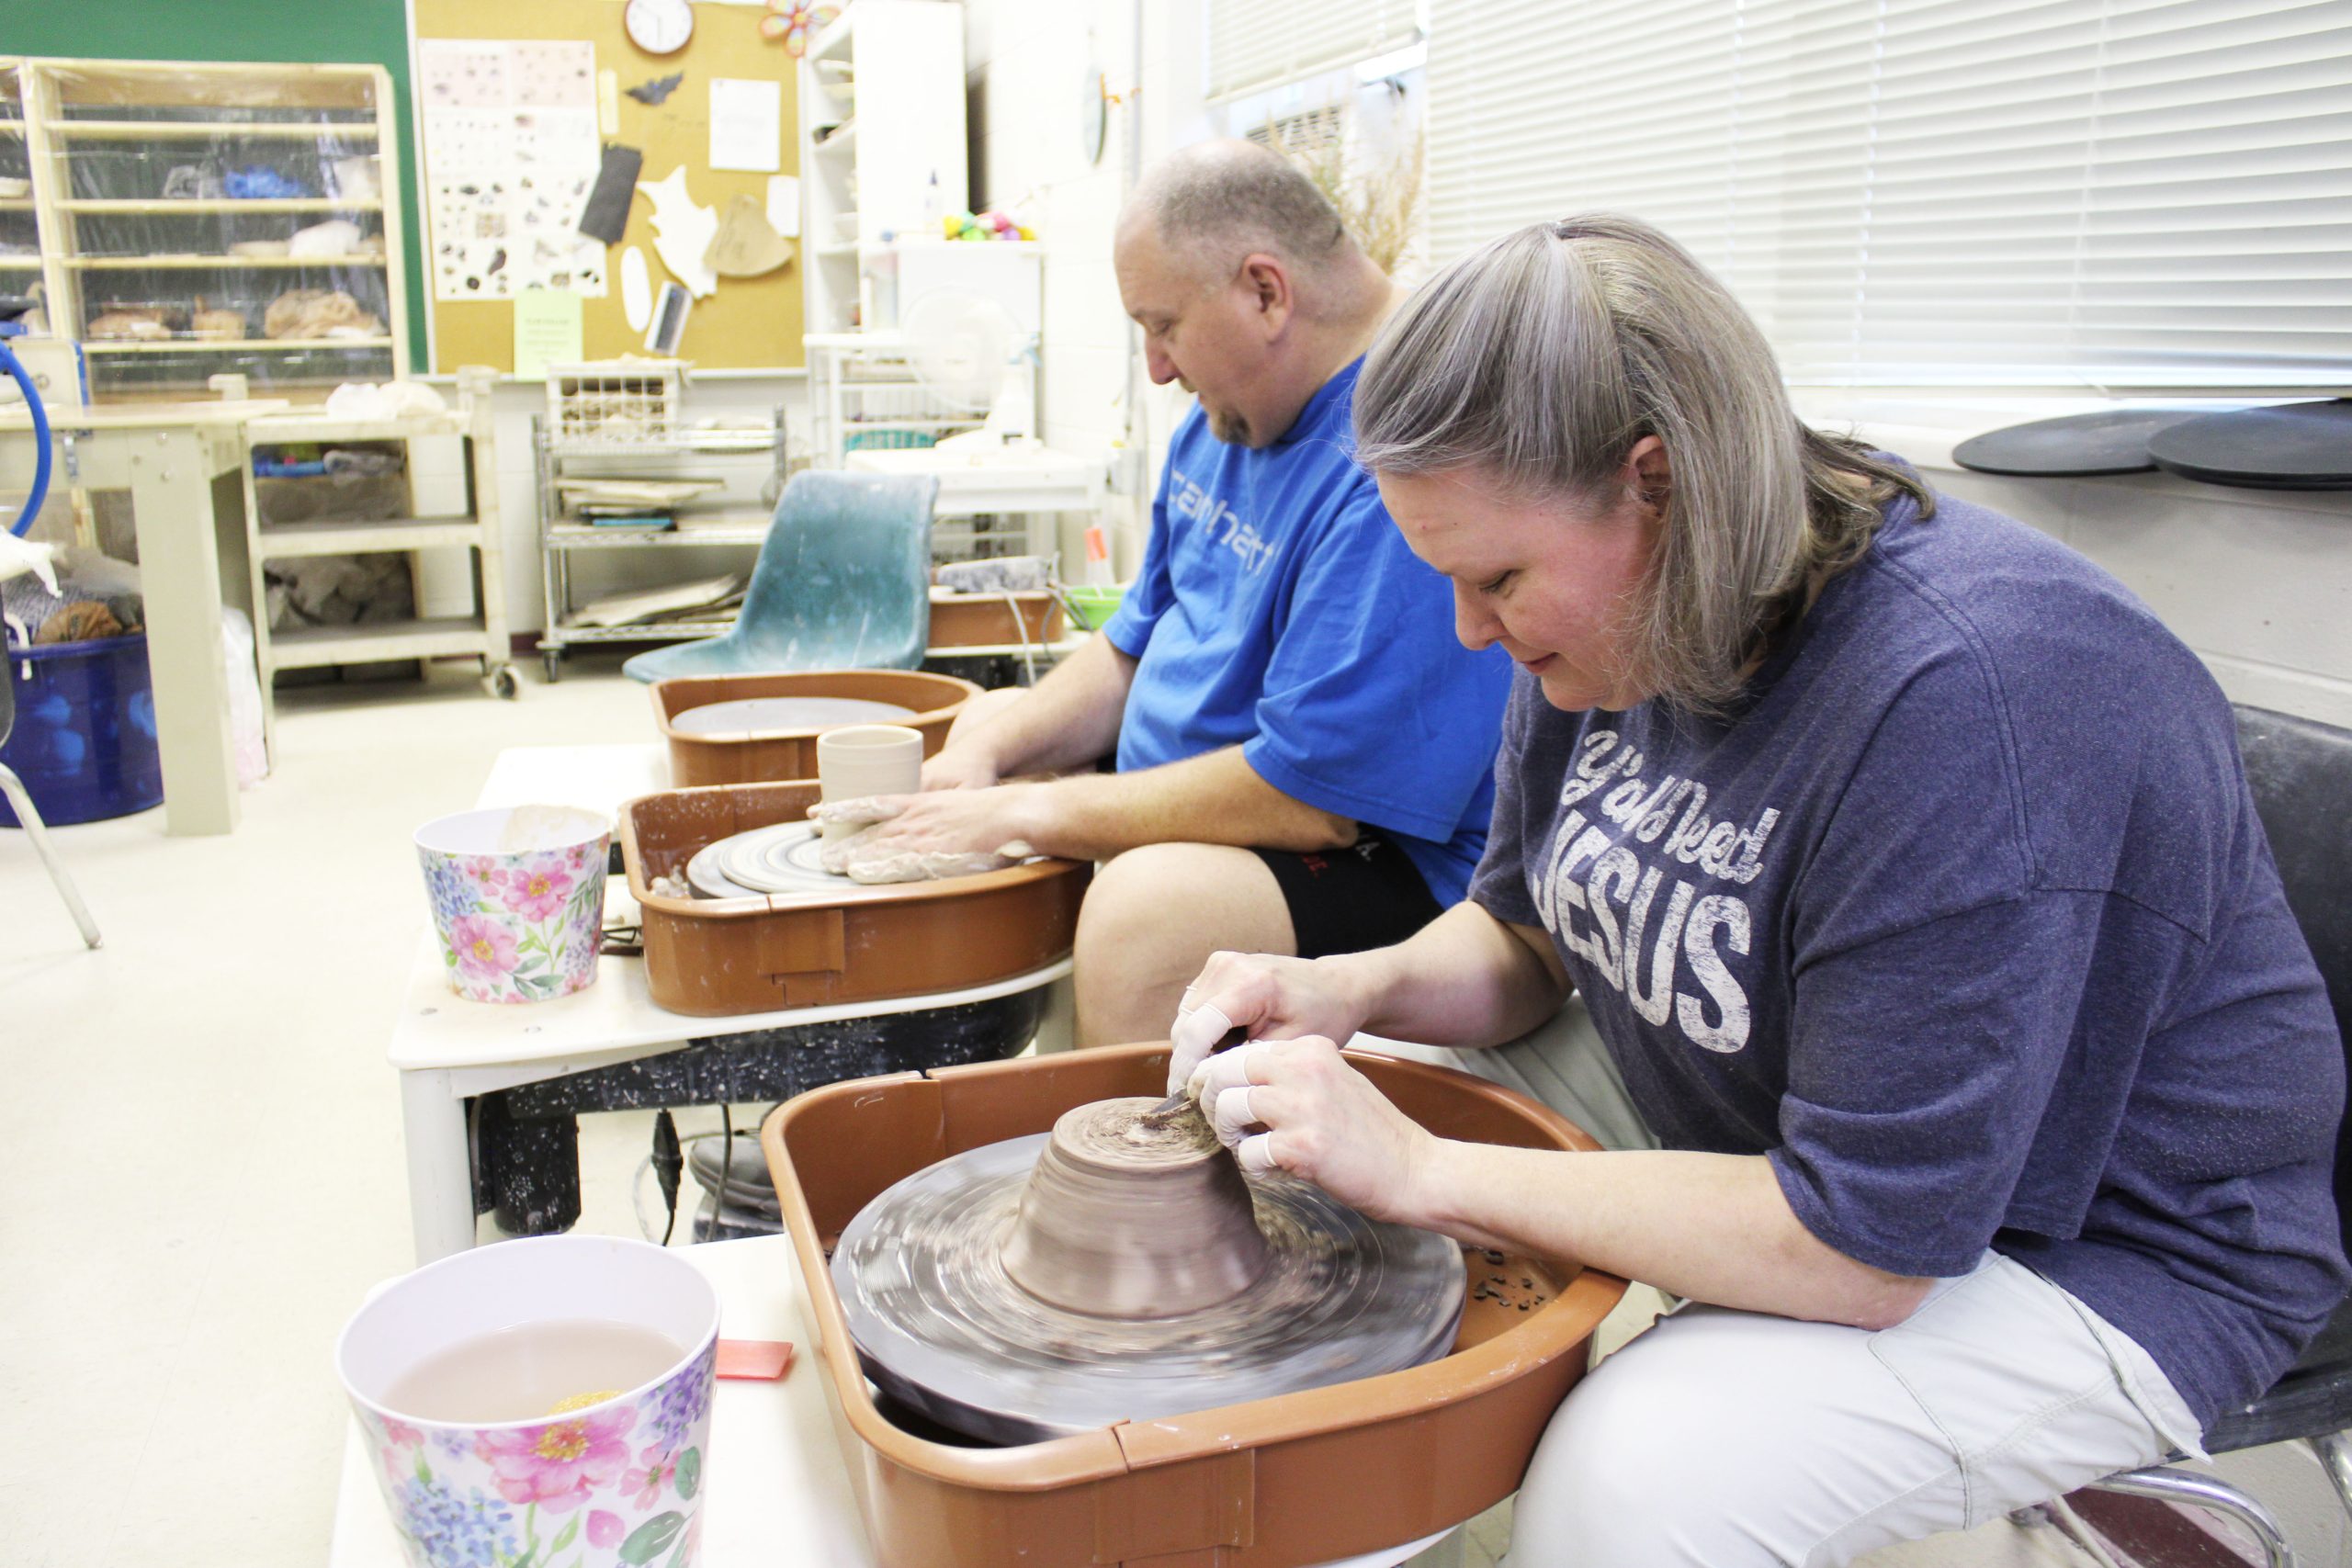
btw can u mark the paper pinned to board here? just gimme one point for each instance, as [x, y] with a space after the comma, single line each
[746, 125]
[636, 289]
[683, 231]
[510, 157]
[784, 205]
[546, 331]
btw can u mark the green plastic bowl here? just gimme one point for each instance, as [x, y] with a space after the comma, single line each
[1095, 605]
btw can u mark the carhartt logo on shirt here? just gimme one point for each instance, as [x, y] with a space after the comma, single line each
[1227, 528]
[1597, 874]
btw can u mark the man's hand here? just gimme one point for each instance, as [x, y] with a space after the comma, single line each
[948, 821]
[959, 767]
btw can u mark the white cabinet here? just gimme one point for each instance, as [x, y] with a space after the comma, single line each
[882, 145]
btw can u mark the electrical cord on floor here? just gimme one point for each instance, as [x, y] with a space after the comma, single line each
[669, 1162]
[725, 1166]
[673, 1184]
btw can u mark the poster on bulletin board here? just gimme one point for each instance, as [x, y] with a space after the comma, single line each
[529, 122]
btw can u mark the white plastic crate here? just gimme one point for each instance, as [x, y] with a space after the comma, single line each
[616, 402]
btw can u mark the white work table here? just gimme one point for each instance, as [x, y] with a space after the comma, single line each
[778, 1491]
[448, 1049]
[172, 458]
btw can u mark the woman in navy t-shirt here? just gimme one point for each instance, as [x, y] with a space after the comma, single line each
[1908, 867]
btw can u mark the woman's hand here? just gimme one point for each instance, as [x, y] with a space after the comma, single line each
[1269, 998]
[1296, 1105]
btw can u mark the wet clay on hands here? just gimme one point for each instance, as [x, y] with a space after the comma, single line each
[1133, 1215]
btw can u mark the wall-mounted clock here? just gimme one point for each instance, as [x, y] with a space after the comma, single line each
[659, 27]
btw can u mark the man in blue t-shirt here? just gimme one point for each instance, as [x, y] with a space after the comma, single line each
[1305, 750]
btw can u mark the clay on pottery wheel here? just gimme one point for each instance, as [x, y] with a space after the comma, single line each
[1127, 1215]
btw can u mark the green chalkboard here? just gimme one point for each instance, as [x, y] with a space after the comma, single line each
[356, 33]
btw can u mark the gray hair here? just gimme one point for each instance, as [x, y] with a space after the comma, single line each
[1544, 357]
[1216, 202]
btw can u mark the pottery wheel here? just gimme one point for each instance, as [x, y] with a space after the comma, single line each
[781, 859]
[783, 715]
[941, 1326]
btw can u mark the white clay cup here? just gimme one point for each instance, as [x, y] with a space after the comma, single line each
[859, 760]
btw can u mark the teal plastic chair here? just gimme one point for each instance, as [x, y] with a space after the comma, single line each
[843, 582]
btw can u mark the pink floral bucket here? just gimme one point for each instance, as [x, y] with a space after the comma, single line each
[616, 1480]
[518, 899]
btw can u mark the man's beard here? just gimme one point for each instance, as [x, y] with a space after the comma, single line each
[1228, 426]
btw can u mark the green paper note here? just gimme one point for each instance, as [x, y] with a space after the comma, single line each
[546, 331]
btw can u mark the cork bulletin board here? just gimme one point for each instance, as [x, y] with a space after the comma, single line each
[750, 322]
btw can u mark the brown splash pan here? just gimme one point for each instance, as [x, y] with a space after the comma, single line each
[969, 620]
[708, 957]
[1302, 1478]
[770, 755]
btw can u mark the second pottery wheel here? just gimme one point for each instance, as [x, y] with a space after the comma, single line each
[780, 715]
[942, 1325]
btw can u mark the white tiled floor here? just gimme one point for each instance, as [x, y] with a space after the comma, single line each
[201, 1149]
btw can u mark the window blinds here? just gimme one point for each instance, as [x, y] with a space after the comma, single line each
[2153, 193]
[1255, 44]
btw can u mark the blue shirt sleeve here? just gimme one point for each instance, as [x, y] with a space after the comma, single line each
[1371, 708]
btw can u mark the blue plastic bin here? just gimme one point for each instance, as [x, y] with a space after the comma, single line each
[85, 737]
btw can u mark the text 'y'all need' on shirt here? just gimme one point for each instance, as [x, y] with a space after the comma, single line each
[1279, 610]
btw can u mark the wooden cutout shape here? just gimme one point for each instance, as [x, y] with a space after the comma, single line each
[746, 244]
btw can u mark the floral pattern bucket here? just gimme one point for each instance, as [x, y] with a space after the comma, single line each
[518, 899]
[614, 1485]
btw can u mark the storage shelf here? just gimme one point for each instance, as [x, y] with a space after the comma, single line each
[227, 345]
[642, 631]
[854, 427]
[140, 264]
[107, 232]
[290, 541]
[844, 137]
[194, 204]
[285, 429]
[19, 264]
[581, 537]
[189, 129]
[734, 520]
[713, 441]
[306, 648]
[16, 204]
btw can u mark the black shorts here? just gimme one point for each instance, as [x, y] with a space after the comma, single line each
[1368, 894]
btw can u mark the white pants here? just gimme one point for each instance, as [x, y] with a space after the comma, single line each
[1719, 1439]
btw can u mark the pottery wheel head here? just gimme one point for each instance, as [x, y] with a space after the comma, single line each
[942, 1325]
[1128, 1216]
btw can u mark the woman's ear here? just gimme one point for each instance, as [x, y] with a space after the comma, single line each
[1648, 477]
